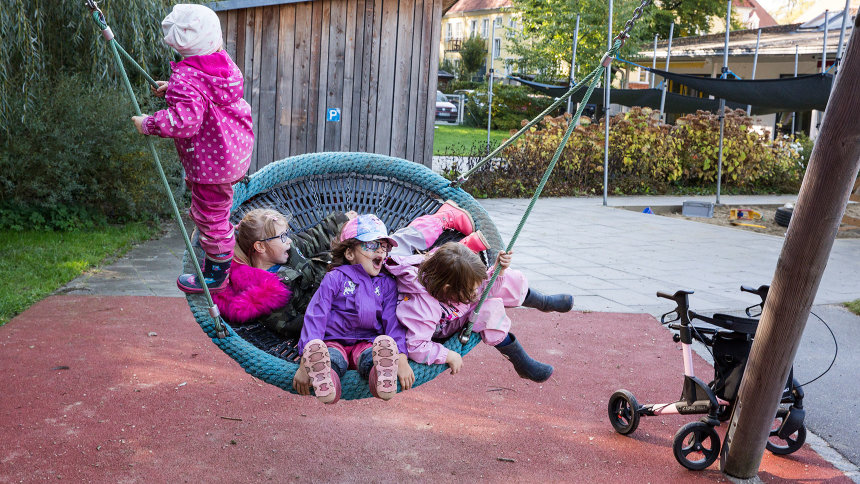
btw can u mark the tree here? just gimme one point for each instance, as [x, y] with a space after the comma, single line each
[45, 38]
[473, 53]
[544, 43]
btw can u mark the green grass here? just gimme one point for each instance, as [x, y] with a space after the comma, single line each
[456, 140]
[35, 264]
[854, 306]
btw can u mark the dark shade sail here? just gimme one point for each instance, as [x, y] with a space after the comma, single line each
[802, 93]
[675, 103]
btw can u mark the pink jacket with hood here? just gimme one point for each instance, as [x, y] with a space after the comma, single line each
[208, 119]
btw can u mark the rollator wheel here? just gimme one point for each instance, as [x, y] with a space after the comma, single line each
[776, 444]
[623, 412]
[696, 446]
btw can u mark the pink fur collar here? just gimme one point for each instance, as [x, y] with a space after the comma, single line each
[251, 293]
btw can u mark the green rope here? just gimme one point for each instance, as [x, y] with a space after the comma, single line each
[465, 176]
[594, 77]
[116, 49]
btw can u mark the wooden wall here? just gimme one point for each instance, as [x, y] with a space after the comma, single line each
[376, 60]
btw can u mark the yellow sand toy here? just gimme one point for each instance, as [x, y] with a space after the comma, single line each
[743, 214]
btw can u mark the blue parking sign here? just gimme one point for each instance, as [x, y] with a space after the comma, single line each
[333, 115]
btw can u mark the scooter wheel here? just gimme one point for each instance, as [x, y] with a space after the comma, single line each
[696, 446]
[623, 412]
[776, 444]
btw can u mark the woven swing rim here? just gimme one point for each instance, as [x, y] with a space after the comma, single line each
[277, 371]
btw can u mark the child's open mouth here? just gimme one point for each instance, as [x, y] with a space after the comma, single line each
[378, 261]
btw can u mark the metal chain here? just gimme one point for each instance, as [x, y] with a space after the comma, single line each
[637, 14]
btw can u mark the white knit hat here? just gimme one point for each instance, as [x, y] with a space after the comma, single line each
[192, 30]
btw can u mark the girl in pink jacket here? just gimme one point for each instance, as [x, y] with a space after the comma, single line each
[210, 123]
[438, 295]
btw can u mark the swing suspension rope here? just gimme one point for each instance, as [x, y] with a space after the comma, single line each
[117, 49]
[592, 79]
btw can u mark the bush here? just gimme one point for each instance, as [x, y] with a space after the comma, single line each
[645, 157]
[80, 162]
[511, 105]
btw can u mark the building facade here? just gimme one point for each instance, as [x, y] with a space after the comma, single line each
[490, 20]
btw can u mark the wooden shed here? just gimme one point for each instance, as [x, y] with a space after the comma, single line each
[337, 75]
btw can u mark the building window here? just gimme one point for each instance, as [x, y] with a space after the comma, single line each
[485, 26]
[512, 23]
[497, 48]
[498, 21]
[450, 32]
[473, 31]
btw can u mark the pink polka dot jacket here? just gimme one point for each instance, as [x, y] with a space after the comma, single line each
[207, 118]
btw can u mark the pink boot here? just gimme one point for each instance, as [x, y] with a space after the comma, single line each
[383, 375]
[454, 217]
[476, 241]
[317, 362]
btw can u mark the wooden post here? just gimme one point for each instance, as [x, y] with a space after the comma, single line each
[823, 196]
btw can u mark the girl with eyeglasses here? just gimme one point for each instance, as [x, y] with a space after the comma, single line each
[275, 272]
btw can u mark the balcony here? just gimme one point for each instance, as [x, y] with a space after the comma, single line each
[453, 44]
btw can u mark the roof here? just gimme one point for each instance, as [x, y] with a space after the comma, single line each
[777, 40]
[464, 6]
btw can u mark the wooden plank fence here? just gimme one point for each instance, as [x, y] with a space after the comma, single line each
[374, 60]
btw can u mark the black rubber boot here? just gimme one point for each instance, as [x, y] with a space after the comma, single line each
[525, 365]
[559, 303]
[215, 274]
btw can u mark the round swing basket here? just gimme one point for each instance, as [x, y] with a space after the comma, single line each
[309, 187]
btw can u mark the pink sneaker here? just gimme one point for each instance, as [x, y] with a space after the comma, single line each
[383, 375]
[454, 217]
[476, 241]
[317, 362]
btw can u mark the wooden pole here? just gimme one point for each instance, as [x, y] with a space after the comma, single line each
[823, 196]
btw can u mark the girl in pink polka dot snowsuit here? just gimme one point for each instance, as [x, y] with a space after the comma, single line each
[211, 126]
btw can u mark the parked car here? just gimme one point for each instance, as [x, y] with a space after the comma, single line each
[445, 110]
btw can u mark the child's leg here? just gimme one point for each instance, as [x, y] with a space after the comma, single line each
[210, 210]
[317, 361]
[382, 377]
[560, 303]
[493, 324]
[422, 232]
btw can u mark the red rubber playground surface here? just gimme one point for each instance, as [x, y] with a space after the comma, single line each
[110, 389]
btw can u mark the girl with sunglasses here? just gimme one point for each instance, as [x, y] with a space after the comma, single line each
[351, 321]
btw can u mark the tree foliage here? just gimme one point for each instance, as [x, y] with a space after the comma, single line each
[544, 44]
[473, 54]
[43, 38]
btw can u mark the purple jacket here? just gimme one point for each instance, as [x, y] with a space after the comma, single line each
[207, 118]
[350, 306]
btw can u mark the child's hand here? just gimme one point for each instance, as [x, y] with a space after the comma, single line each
[138, 122]
[301, 381]
[404, 373]
[160, 90]
[504, 260]
[454, 361]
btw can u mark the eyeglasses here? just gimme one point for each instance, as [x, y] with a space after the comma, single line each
[373, 245]
[285, 237]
